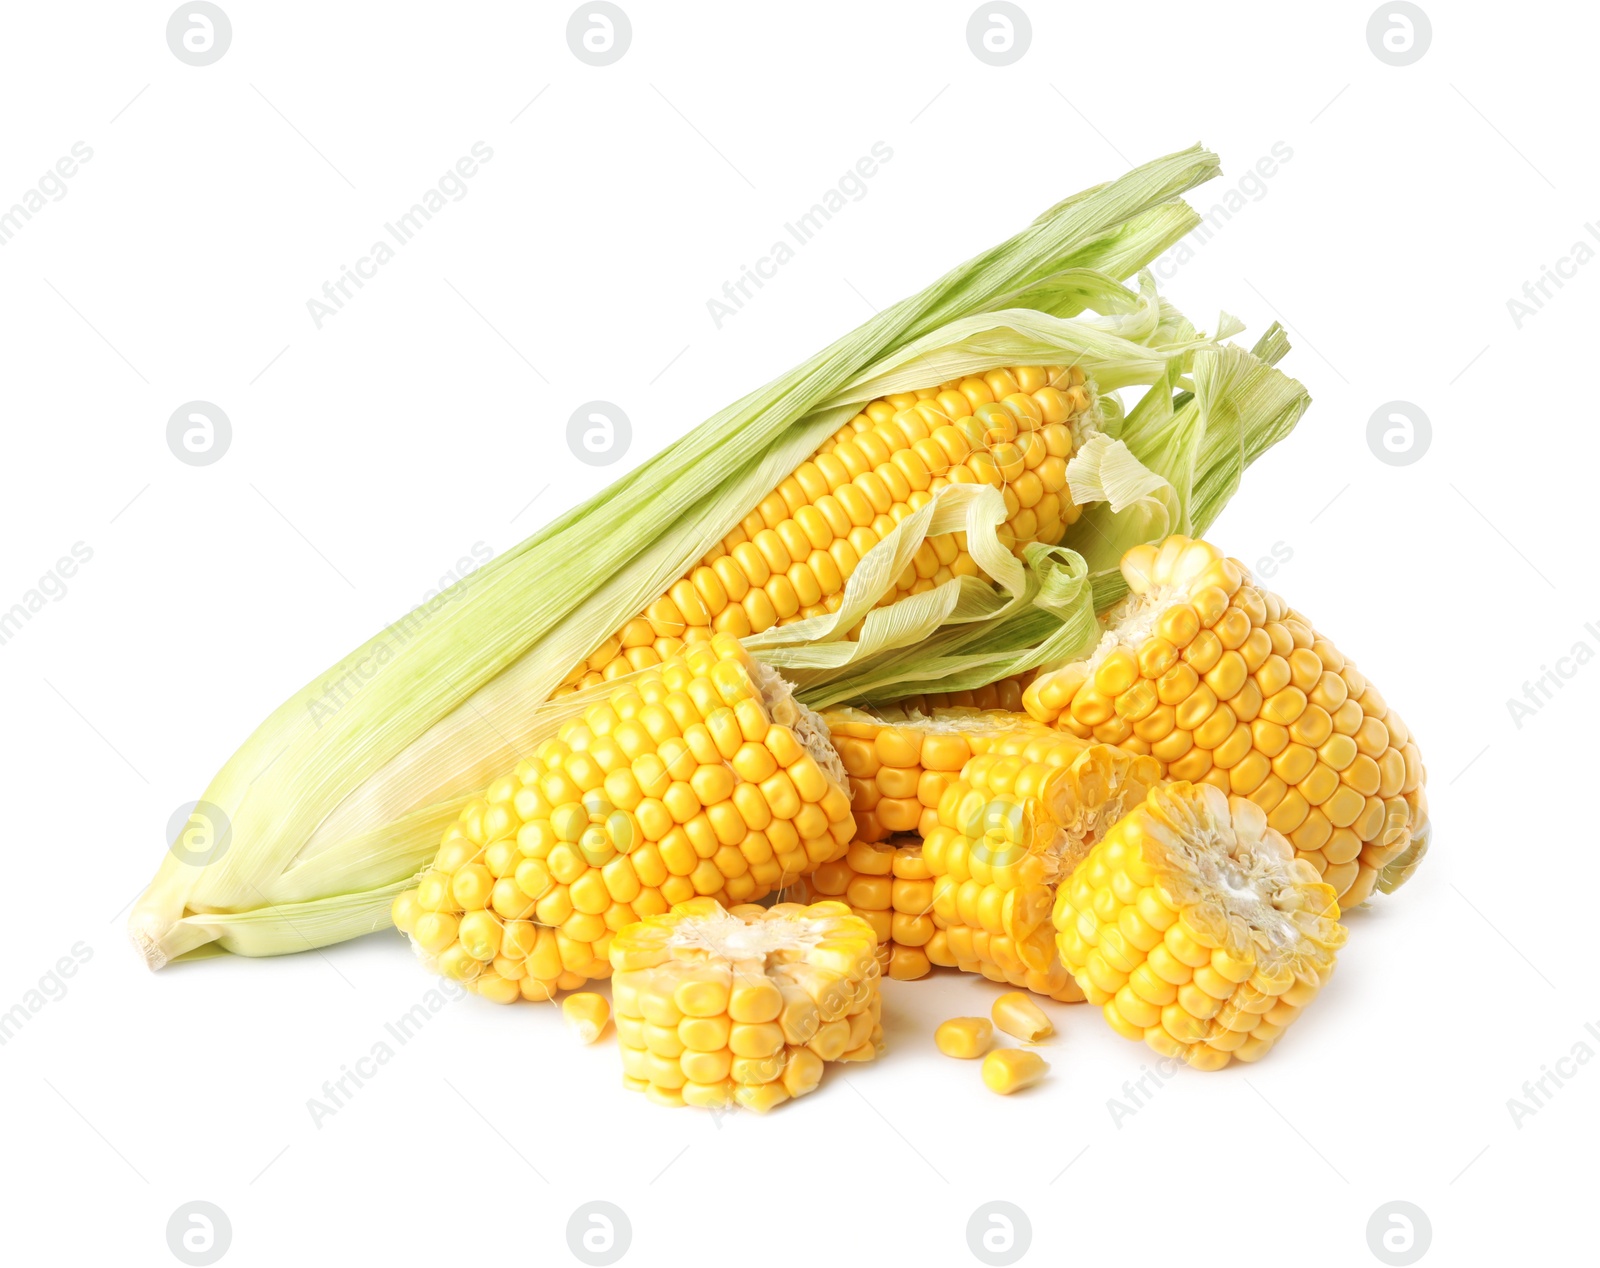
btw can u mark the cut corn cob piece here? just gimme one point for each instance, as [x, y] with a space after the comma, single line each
[1016, 821]
[1195, 928]
[743, 1006]
[888, 885]
[1014, 429]
[701, 777]
[901, 759]
[1223, 683]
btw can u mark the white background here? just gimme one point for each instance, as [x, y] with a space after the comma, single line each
[369, 455]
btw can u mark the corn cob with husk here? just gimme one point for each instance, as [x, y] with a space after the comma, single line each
[1223, 683]
[342, 795]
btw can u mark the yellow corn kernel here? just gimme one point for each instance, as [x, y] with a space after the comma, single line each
[964, 1037]
[1021, 1018]
[586, 1014]
[1008, 1070]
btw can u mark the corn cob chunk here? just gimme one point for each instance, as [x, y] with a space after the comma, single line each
[703, 777]
[900, 759]
[1224, 684]
[1004, 695]
[888, 885]
[743, 1006]
[1195, 928]
[1016, 821]
[1014, 429]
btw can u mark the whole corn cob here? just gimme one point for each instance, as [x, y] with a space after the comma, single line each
[1224, 684]
[700, 777]
[789, 559]
[1195, 928]
[743, 1006]
[1014, 823]
[1003, 695]
[887, 884]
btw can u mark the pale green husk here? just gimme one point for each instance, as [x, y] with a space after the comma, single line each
[341, 795]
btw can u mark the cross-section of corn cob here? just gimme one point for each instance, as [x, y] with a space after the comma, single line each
[1225, 684]
[743, 1006]
[1016, 820]
[1195, 928]
[887, 884]
[701, 777]
[1014, 429]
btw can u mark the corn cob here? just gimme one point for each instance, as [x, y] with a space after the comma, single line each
[901, 759]
[1223, 683]
[743, 1006]
[790, 557]
[1015, 822]
[1003, 695]
[887, 884]
[700, 777]
[1195, 928]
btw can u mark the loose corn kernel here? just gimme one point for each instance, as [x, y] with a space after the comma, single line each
[1017, 1015]
[1223, 683]
[964, 1037]
[645, 800]
[586, 1014]
[1008, 1070]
